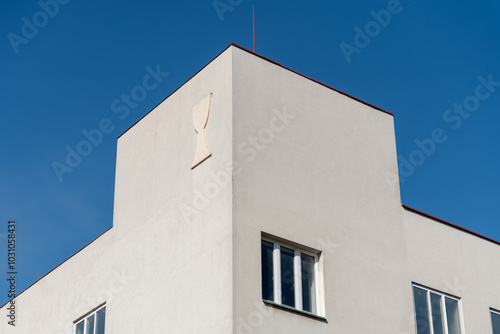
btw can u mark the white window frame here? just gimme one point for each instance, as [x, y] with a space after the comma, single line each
[443, 308]
[85, 317]
[493, 311]
[297, 272]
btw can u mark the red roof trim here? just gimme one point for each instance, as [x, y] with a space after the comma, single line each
[271, 61]
[318, 82]
[463, 229]
[60, 264]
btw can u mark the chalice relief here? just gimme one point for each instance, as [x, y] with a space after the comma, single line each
[201, 112]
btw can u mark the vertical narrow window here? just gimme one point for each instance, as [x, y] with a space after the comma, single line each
[308, 283]
[92, 323]
[287, 277]
[290, 276]
[453, 316]
[100, 320]
[421, 311]
[436, 313]
[267, 270]
[80, 327]
[495, 321]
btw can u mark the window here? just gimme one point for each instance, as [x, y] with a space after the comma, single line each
[436, 313]
[290, 276]
[495, 320]
[92, 323]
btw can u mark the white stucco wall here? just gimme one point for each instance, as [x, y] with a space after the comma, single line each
[457, 263]
[310, 166]
[321, 182]
[188, 288]
[160, 268]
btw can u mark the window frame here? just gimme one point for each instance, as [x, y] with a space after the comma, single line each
[87, 316]
[297, 274]
[493, 311]
[444, 314]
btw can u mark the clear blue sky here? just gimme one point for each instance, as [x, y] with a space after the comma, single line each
[63, 77]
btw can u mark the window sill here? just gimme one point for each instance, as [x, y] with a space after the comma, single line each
[294, 310]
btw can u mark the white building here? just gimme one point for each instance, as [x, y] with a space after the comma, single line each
[280, 220]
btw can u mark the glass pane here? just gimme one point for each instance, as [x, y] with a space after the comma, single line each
[452, 316]
[90, 324]
[495, 319]
[79, 327]
[267, 270]
[421, 311]
[101, 318]
[287, 277]
[308, 287]
[437, 314]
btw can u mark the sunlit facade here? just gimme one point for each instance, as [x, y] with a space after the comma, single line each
[257, 200]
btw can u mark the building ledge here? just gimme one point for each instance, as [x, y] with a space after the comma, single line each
[463, 229]
[294, 310]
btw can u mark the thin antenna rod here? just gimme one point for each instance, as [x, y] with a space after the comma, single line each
[253, 12]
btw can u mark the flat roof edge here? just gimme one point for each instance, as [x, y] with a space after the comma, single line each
[314, 80]
[60, 264]
[463, 229]
[269, 60]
